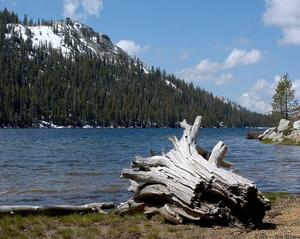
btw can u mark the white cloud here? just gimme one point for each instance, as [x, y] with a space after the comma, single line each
[80, 9]
[284, 14]
[296, 87]
[224, 79]
[203, 71]
[242, 57]
[70, 8]
[92, 7]
[207, 65]
[207, 70]
[259, 97]
[291, 36]
[131, 47]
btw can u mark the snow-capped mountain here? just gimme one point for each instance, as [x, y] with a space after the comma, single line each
[90, 81]
[67, 36]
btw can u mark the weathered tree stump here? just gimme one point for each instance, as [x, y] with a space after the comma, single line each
[183, 186]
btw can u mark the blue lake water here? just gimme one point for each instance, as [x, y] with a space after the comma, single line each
[78, 166]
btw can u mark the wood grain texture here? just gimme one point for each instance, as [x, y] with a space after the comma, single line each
[183, 186]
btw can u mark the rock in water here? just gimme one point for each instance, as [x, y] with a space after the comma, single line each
[253, 135]
[286, 132]
[183, 186]
[296, 124]
[283, 125]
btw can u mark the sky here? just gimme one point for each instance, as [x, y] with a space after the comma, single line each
[235, 49]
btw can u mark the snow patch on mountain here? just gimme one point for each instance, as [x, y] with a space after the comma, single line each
[171, 84]
[67, 36]
[40, 36]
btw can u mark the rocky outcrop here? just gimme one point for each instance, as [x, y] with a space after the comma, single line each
[286, 132]
[284, 125]
[296, 125]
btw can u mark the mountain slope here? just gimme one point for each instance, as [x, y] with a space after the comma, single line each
[65, 73]
[70, 37]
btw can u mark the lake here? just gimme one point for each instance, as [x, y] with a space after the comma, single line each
[78, 166]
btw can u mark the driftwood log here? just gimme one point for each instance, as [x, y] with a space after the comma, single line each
[184, 186]
[56, 209]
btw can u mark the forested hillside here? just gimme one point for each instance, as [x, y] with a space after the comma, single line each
[96, 83]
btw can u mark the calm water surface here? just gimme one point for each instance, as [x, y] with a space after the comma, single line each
[57, 166]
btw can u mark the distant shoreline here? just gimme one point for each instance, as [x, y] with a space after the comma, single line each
[121, 127]
[48, 125]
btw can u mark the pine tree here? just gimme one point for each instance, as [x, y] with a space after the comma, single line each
[284, 101]
[25, 20]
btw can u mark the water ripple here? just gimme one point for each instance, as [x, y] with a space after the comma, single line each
[48, 166]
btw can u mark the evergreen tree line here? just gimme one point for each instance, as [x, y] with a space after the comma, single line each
[41, 84]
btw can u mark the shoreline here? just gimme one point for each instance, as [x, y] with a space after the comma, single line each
[121, 127]
[270, 195]
[281, 222]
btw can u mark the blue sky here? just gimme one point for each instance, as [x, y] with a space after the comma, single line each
[235, 49]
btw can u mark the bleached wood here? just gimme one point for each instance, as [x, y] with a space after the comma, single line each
[56, 209]
[217, 155]
[183, 186]
[131, 206]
